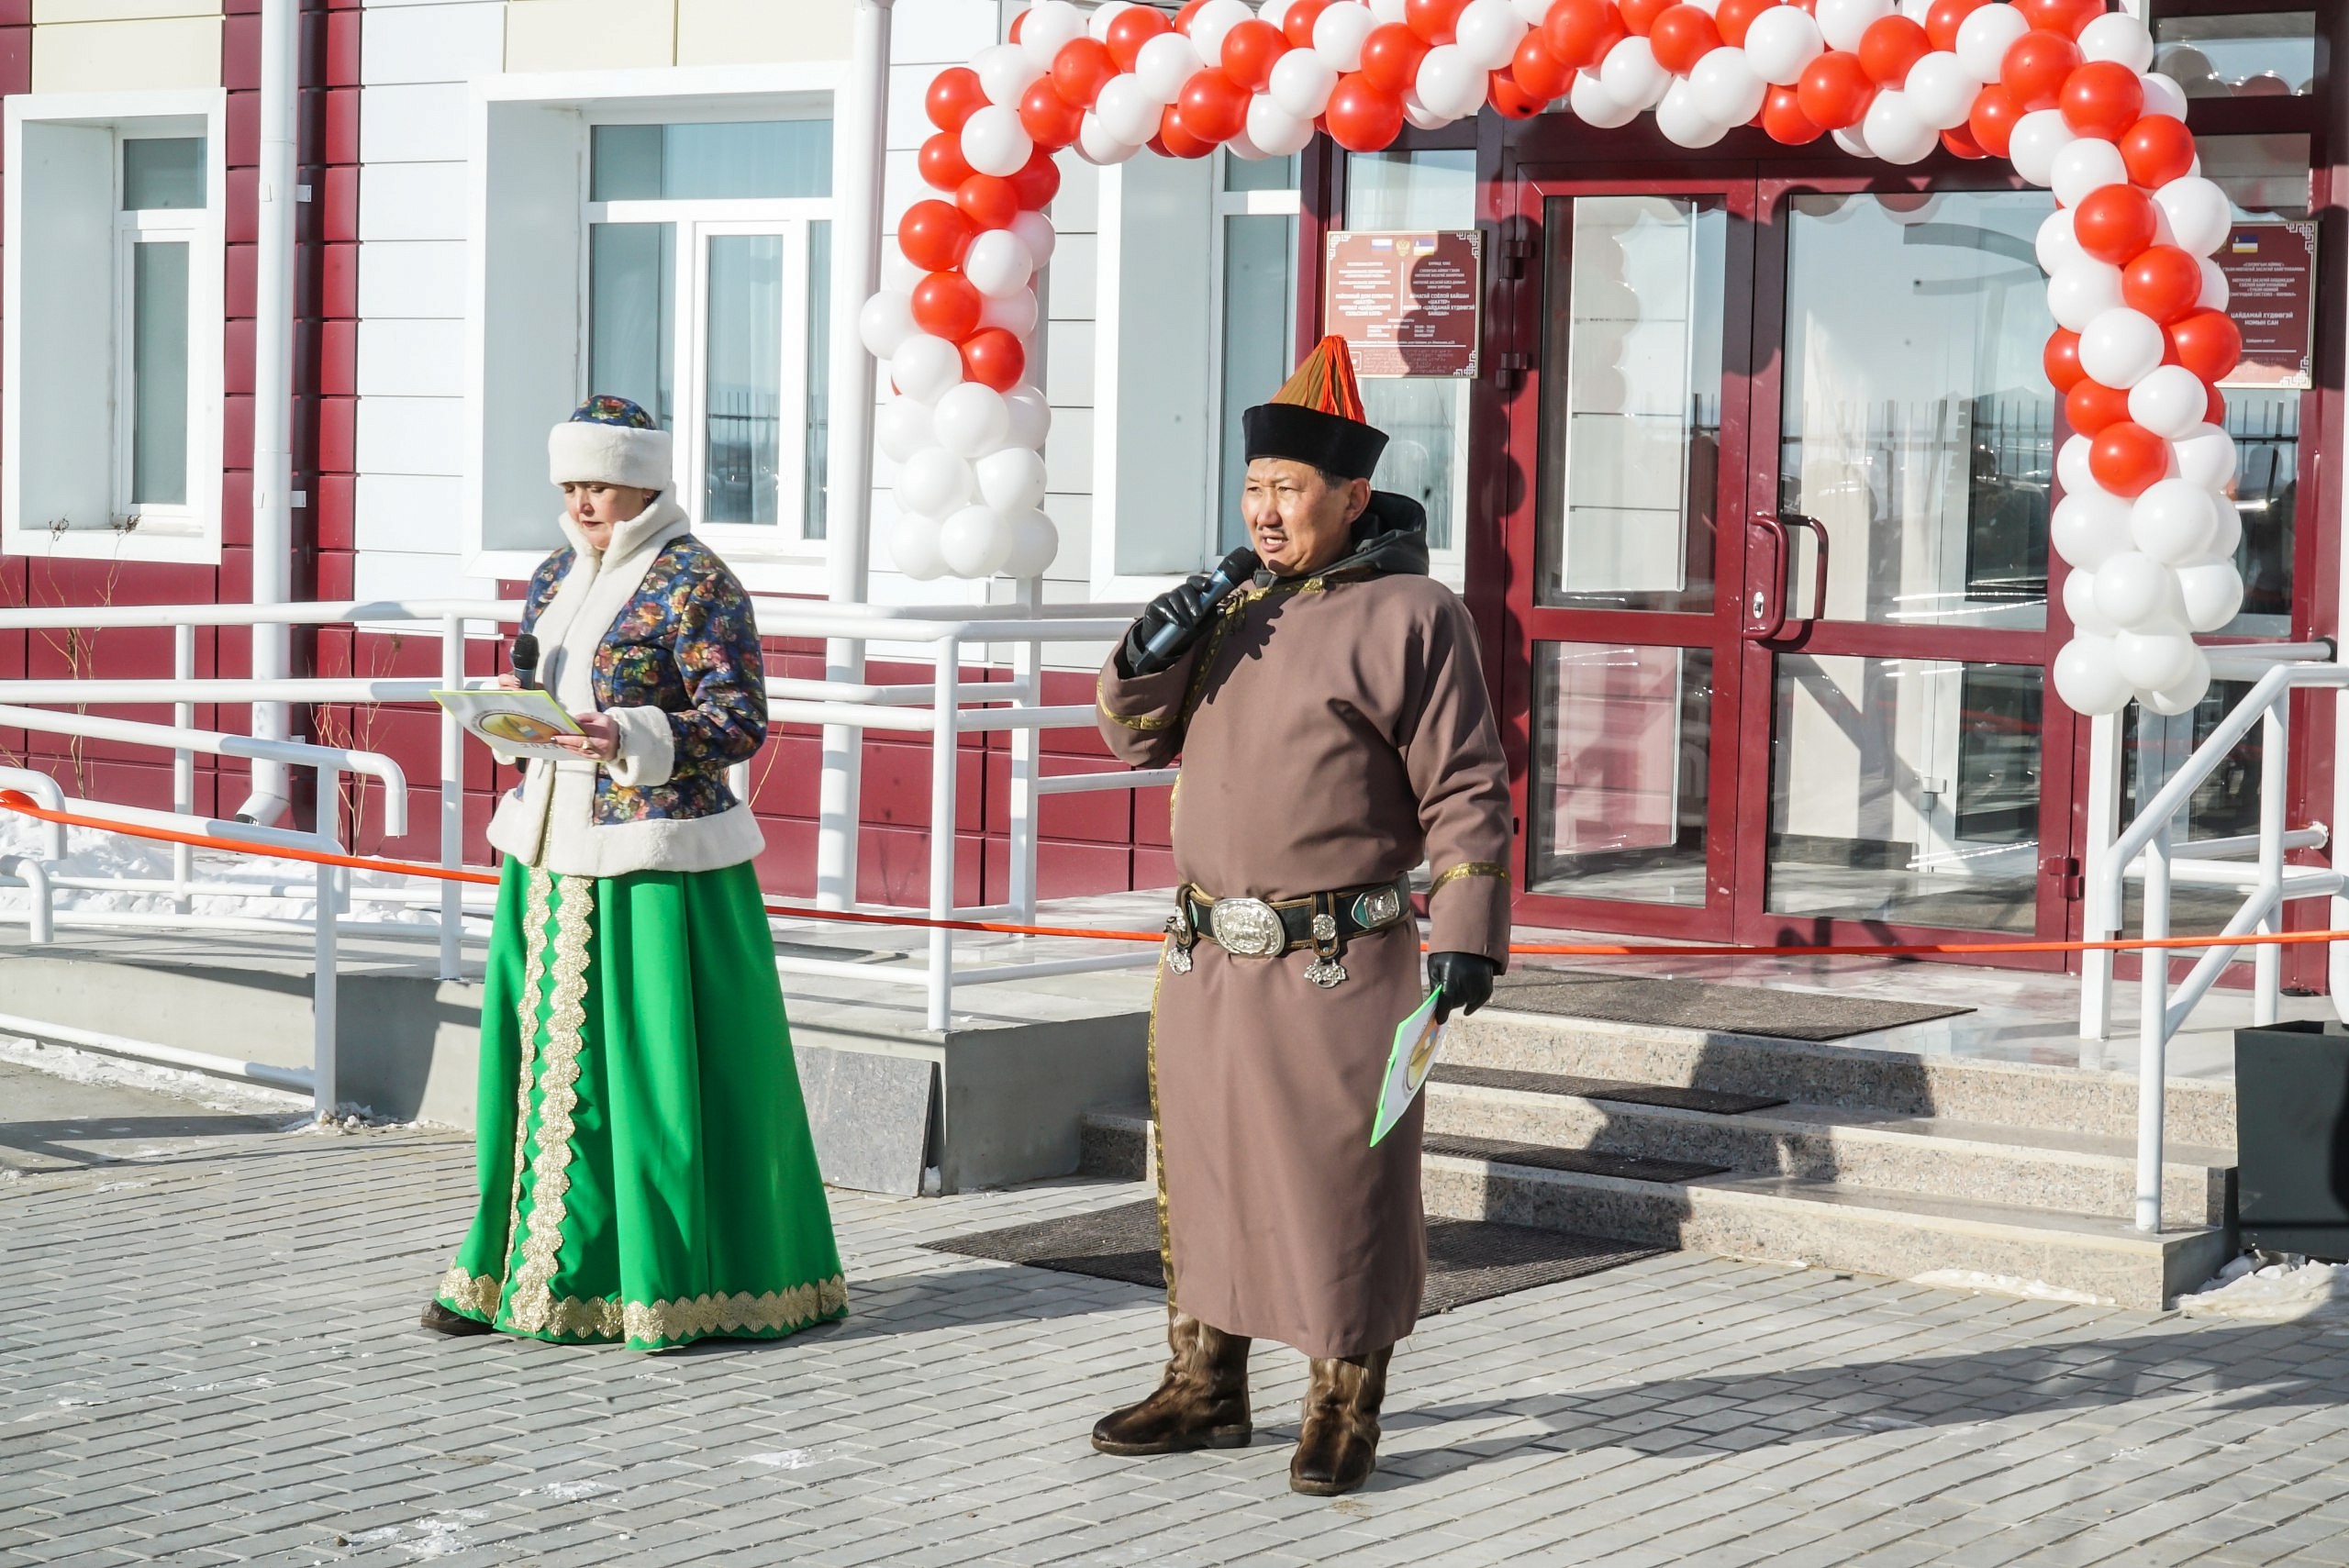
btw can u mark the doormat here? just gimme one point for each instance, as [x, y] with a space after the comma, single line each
[1580, 1162]
[1673, 1096]
[1468, 1259]
[1706, 1005]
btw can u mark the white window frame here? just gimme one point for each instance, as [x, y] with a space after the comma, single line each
[190, 533]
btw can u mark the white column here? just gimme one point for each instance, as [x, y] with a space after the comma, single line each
[273, 526]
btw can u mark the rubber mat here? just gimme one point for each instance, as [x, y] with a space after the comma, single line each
[1676, 1097]
[1706, 1005]
[1580, 1162]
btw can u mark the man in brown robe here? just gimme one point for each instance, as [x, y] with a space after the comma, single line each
[1334, 731]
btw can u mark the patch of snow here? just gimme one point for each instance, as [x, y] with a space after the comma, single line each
[2007, 1284]
[788, 1458]
[568, 1491]
[114, 1071]
[2285, 1292]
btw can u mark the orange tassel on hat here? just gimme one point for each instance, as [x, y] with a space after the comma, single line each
[1325, 382]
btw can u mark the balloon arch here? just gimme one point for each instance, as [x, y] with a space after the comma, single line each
[2059, 87]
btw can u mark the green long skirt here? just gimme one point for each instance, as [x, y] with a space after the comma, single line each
[646, 1173]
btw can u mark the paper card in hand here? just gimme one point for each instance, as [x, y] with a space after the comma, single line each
[520, 723]
[1417, 1040]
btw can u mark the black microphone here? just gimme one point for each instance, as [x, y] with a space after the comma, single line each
[1229, 573]
[526, 662]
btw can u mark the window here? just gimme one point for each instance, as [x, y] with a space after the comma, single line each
[1255, 310]
[161, 214]
[2259, 54]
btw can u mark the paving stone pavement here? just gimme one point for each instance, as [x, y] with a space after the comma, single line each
[211, 1358]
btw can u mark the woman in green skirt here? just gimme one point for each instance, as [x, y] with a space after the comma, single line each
[645, 1170]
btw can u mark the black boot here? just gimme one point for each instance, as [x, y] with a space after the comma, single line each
[1202, 1402]
[441, 1321]
[1337, 1446]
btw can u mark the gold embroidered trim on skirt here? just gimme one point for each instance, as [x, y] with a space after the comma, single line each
[1155, 1153]
[473, 1294]
[1469, 868]
[537, 897]
[533, 1301]
[670, 1322]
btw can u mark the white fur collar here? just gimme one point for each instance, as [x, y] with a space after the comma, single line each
[660, 517]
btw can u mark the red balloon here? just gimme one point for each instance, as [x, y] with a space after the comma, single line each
[2127, 459]
[2103, 99]
[1945, 17]
[1391, 56]
[1037, 181]
[1182, 14]
[933, 235]
[1250, 51]
[1960, 140]
[2091, 405]
[2036, 66]
[1297, 22]
[2206, 342]
[955, 96]
[946, 306]
[1214, 107]
[1362, 117]
[1081, 70]
[2157, 149]
[1835, 90]
[2214, 409]
[2065, 16]
[1889, 47]
[1639, 15]
[1433, 19]
[942, 163]
[1681, 36]
[1134, 27]
[1992, 119]
[2112, 223]
[1018, 24]
[988, 202]
[1733, 16]
[1173, 141]
[1541, 73]
[2061, 359]
[1783, 118]
[993, 357]
[1049, 119]
[2162, 280]
[1509, 99]
[1580, 32]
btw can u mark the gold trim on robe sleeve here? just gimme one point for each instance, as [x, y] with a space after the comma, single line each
[1468, 868]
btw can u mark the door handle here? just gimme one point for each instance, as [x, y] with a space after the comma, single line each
[1818, 563]
[1765, 607]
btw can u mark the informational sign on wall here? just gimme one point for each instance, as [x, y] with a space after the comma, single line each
[1407, 302]
[2271, 287]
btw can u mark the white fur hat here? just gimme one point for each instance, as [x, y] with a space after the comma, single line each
[609, 440]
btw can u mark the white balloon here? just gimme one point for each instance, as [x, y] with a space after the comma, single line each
[1487, 32]
[1275, 12]
[1338, 33]
[1274, 129]
[913, 546]
[1015, 313]
[2186, 694]
[970, 419]
[1096, 143]
[1211, 22]
[1241, 147]
[2089, 528]
[2119, 347]
[2162, 96]
[1006, 70]
[1728, 88]
[1097, 24]
[1984, 37]
[925, 366]
[1841, 22]
[2153, 661]
[1049, 24]
[2072, 470]
[997, 263]
[1848, 138]
[1535, 12]
[1036, 232]
[1167, 61]
[1452, 84]
[897, 272]
[1893, 131]
[1031, 416]
[1629, 71]
[2198, 212]
[904, 429]
[2083, 291]
[1781, 41]
[1593, 104]
[2228, 538]
[2169, 401]
[2213, 593]
[2173, 522]
[1302, 82]
[1034, 542]
[1011, 480]
[2118, 37]
[2205, 455]
[2087, 672]
[2079, 604]
[1683, 119]
[934, 482]
[1419, 114]
[2038, 136]
[2055, 243]
[1940, 90]
[885, 322]
[1385, 11]
[976, 540]
[1128, 110]
[995, 142]
[2086, 164]
[2216, 290]
[2134, 591]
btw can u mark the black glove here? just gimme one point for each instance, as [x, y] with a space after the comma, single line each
[1181, 605]
[1466, 979]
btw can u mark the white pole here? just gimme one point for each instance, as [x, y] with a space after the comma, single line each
[452, 799]
[325, 1088]
[2104, 826]
[862, 123]
[945, 742]
[182, 764]
[273, 526]
[2152, 1018]
[1026, 757]
[2275, 775]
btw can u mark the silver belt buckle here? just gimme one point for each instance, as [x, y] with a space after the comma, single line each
[1247, 927]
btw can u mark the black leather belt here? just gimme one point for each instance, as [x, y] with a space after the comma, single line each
[1259, 927]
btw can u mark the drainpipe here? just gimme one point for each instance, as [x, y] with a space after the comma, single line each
[862, 126]
[272, 525]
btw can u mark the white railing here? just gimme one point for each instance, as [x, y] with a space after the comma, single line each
[2148, 851]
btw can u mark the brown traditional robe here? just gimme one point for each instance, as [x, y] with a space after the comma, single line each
[1334, 731]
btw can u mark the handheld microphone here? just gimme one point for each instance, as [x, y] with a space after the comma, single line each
[525, 661]
[1228, 575]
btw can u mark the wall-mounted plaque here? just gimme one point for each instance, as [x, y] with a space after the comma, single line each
[2271, 294]
[1407, 302]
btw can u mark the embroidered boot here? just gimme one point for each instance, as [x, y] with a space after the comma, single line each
[1202, 1402]
[441, 1321]
[1337, 1446]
